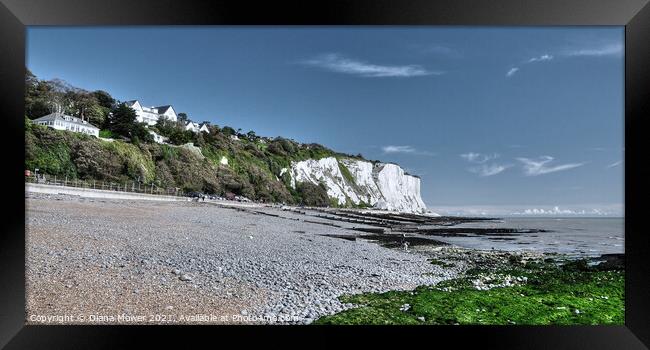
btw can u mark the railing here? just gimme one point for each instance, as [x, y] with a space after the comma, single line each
[127, 186]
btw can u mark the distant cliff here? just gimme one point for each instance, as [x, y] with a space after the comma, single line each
[360, 183]
[269, 170]
[217, 160]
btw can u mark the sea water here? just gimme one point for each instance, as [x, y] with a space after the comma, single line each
[571, 236]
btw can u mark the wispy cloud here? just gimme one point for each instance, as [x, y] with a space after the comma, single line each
[488, 169]
[398, 149]
[540, 58]
[611, 49]
[340, 64]
[484, 168]
[615, 164]
[474, 157]
[512, 72]
[391, 149]
[534, 167]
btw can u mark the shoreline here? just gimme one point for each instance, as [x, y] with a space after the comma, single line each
[114, 257]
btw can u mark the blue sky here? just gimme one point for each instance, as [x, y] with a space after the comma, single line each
[494, 120]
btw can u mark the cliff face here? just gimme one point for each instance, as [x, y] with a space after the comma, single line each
[276, 170]
[362, 183]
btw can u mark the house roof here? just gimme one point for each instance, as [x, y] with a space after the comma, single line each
[57, 116]
[163, 109]
[158, 110]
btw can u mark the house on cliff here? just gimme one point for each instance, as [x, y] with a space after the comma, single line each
[196, 127]
[60, 121]
[150, 115]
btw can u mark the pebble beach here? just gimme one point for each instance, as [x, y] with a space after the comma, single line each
[125, 261]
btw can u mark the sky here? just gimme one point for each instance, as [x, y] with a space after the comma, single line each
[494, 120]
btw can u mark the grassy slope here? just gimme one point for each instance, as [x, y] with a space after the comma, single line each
[253, 169]
[552, 295]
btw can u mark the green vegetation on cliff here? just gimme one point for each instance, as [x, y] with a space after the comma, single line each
[221, 161]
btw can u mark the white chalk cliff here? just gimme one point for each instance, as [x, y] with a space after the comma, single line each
[380, 185]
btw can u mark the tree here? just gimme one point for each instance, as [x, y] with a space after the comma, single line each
[104, 99]
[166, 127]
[122, 121]
[38, 96]
[87, 105]
[228, 131]
[30, 83]
[175, 131]
[251, 135]
[182, 117]
[200, 140]
[139, 133]
[181, 136]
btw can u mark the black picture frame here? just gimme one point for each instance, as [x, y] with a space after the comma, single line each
[633, 14]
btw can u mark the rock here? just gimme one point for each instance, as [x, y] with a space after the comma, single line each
[176, 271]
[185, 277]
[244, 312]
[421, 318]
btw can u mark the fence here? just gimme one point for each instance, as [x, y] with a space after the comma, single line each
[128, 186]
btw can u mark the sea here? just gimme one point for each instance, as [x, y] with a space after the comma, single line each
[567, 235]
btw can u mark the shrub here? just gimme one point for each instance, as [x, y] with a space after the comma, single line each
[312, 195]
[107, 134]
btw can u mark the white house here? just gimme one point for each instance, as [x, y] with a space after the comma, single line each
[60, 121]
[196, 127]
[158, 138]
[150, 115]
